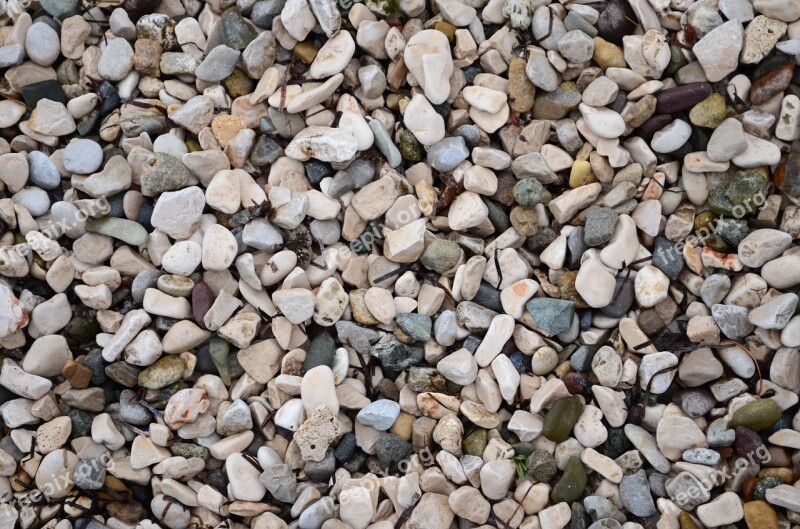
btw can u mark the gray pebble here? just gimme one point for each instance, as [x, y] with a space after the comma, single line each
[34, 199]
[43, 172]
[635, 494]
[447, 154]
[83, 156]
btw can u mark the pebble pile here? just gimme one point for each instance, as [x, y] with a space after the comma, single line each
[446, 264]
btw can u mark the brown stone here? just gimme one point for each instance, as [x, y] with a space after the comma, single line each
[521, 91]
[524, 220]
[77, 374]
[639, 111]
[225, 128]
[759, 515]
[566, 285]
[305, 51]
[146, 57]
[771, 83]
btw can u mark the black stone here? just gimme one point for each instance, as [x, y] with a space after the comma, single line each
[109, 98]
[488, 297]
[346, 448]
[497, 216]
[265, 152]
[317, 170]
[622, 300]
[320, 352]
[391, 449]
[521, 362]
[49, 89]
[576, 246]
[667, 257]
[617, 443]
[321, 471]
[397, 356]
[616, 21]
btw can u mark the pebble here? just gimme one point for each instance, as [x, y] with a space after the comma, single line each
[255, 216]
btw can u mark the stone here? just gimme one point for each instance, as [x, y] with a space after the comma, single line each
[380, 414]
[757, 415]
[572, 483]
[562, 417]
[718, 51]
[427, 57]
[635, 494]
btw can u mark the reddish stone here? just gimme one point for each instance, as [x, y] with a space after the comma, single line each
[202, 299]
[770, 84]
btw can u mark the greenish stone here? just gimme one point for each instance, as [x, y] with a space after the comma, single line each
[219, 351]
[757, 415]
[475, 443]
[580, 518]
[81, 423]
[440, 255]
[561, 418]
[193, 145]
[676, 61]
[166, 393]
[685, 521]
[551, 315]
[716, 242]
[80, 330]
[764, 484]
[321, 352]
[265, 125]
[741, 194]
[522, 449]
[218, 479]
[497, 216]
[384, 143]
[541, 466]
[393, 100]
[62, 9]
[556, 104]
[353, 464]
[409, 147]
[709, 112]
[732, 230]
[391, 449]
[397, 356]
[234, 30]
[125, 230]
[426, 379]
[189, 450]
[704, 220]
[163, 172]
[447, 28]
[572, 483]
[162, 373]
[415, 325]
[359, 308]
[238, 83]
[528, 192]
